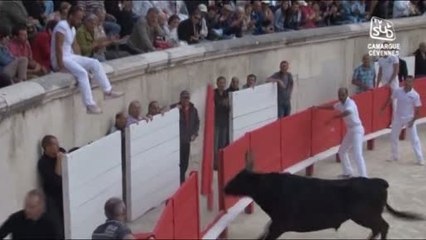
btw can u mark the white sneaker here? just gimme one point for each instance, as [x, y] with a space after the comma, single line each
[113, 94]
[392, 160]
[420, 163]
[344, 176]
[93, 109]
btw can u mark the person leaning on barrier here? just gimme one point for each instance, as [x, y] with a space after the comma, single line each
[364, 76]
[31, 222]
[50, 170]
[285, 83]
[155, 109]
[221, 104]
[234, 85]
[114, 227]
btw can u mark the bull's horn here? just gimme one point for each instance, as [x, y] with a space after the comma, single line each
[249, 160]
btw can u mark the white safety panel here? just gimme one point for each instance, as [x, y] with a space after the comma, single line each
[252, 108]
[90, 176]
[152, 168]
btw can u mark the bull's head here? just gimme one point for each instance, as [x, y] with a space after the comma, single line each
[242, 183]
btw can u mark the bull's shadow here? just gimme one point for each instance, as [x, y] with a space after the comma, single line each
[300, 204]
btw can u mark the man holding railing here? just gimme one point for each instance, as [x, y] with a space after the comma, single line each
[407, 111]
[354, 134]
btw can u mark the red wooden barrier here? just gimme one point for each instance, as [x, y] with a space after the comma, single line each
[420, 87]
[208, 150]
[364, 102]
[186, 210]
[381, 120]
[165, 225]
[232, 161]
[296, 138]
[265, 143]
[325, 136]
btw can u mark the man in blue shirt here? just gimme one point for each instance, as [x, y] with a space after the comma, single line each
[364, 76]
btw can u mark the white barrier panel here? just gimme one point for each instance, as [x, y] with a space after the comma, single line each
[252, 108]
[411, 64]
[152, 163]
[90, 175]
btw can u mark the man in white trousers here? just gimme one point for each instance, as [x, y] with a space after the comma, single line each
[65, 57]
[388, 75]
[407, 111]
[354, 133]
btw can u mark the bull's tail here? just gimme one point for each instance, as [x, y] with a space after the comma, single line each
[403, 214]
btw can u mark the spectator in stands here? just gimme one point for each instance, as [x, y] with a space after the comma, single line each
[5, 80]
[364, 76]
[401, 8]
[280, 16]
[293, 17]
[211, 19]
[135, 113]
[267, 12]
[230, 22]
[420, 60]
[13, 67]
[308, 15]
[145, 32]
[12, 13]
[63, 10]
[65, 57]
[48, 7]
[50, 171]
[319, 16]
[380, 9]
[173, 24]
[221, 103]
[189, 29]
[35, 10]
[234, 85]
[250, 82]
[126, 18]
[284, 80]
[357, 11]
[20, 47]
[41, 45]
[141, 8]
[30, 222]
[155, 109]
[189, 125]
[119, 123]
[204, 32]
[115, 225]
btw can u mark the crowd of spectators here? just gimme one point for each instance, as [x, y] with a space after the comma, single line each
[118, 28]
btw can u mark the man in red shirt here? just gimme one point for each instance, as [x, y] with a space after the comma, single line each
[40, 46]
[20, 47]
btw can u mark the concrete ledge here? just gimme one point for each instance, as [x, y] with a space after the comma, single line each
[59, 84]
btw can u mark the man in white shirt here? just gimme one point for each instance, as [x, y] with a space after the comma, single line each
[388, 74]
[407, 111]
[65, 57]
[354, 133]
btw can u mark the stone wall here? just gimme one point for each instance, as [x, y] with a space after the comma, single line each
[320, 59]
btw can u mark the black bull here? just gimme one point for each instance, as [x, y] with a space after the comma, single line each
[301, 204]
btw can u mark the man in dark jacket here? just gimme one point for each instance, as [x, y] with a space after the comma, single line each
[189, 123]
[189, 29]
[30, 222]
[50, 170]
[420, 59]
[221, 105]
[403, 70]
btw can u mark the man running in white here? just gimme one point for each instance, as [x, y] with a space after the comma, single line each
[407, 111]
[354, 134]
[64, 57]
[388, 75]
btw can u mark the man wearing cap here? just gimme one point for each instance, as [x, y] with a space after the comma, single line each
[189, 124]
